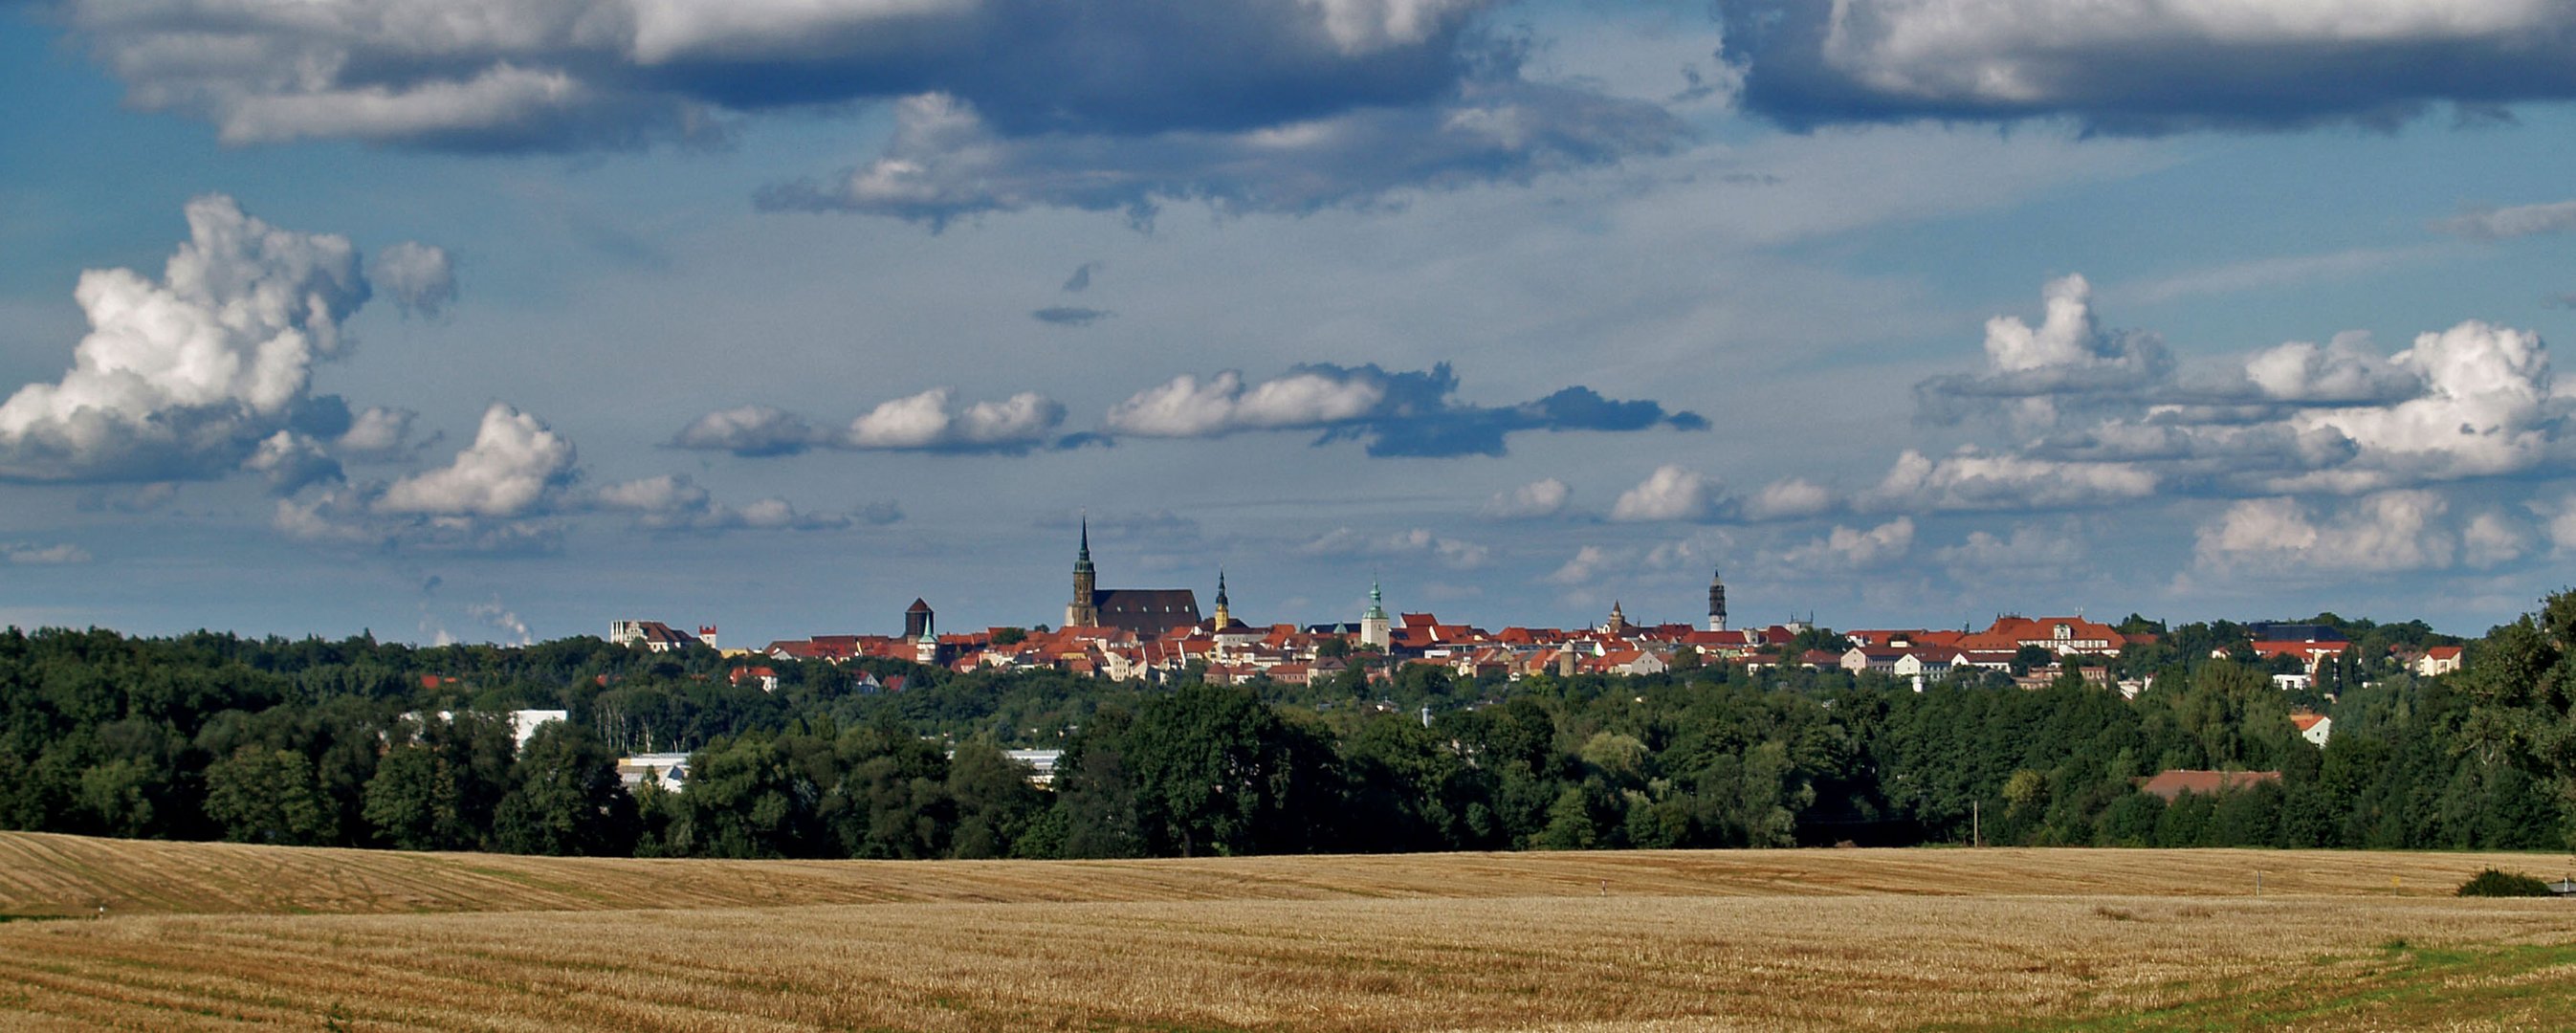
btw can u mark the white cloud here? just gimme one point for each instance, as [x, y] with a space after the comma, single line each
[1187, 407]
[2146, 65]
[926, 422]
[290, 461]
[184, 377]
[2492, 539]
[64, 554]
[1672, 493]
[751, 430]
[1417, 542]
[381, 435]
[2343, 370]
[2387, 532]
[673, 502]
[514, 462]
[1536, 500]
[1848, 548]
[1790, 498]
[1970, 479]
[2519, 221]
[1584, 567]
[420, 277]
[2485, 408]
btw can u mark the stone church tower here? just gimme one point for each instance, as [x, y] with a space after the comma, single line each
[1084, 610]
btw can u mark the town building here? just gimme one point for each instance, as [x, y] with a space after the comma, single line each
[1144, 611]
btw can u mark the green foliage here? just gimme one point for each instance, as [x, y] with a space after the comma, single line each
[341, 743]
[2494, 883]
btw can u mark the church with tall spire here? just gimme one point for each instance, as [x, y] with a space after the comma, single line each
[1149, 612]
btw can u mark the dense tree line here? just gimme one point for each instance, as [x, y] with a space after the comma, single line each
[360, 743]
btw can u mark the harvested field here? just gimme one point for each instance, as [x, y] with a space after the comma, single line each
[43, 875]
[1794, 940]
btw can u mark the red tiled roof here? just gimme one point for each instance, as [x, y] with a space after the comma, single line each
[2175, 782]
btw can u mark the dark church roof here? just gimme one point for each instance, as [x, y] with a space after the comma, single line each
[1146, 611]
[917, 606]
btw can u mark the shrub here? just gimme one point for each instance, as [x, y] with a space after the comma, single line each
[2493, 883]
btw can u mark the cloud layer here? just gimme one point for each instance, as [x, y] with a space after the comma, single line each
[2146, 66]
[1271, 105]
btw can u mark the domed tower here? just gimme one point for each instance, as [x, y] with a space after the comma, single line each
[1084, 610]
[1716, 601]
[1374, 629]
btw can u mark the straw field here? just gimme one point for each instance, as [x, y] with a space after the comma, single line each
[220, 936]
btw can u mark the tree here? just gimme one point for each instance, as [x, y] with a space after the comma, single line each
[565, 798]
[269, 796]
[1218, 772]
[411, 802]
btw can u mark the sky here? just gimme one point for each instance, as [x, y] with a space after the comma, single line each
[454, 320]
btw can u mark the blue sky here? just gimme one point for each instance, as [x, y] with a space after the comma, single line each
[482, 321]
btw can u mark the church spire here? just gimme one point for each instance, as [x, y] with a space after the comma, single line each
[1084, 610]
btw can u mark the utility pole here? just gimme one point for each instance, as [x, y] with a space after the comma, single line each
[1976, 823]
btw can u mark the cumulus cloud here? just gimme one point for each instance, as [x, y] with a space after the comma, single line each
[1985, 557]
[1672, 493]
[64, 554]
[2139, 66]
[1394, 414]
[290, 461]
[2097, 418]
[2493, 538]
[1970, 479]
[1790, 498]
[1533, 501]
[926, 422]
[752, 430]
[514, 462]
[2518, 221]
[1592, 564]
[516, 488]
[2387, 532]
[419, 277]
[2067, 356]
[184, 377]
[675, 503]
[382, 435]
[1852, 549]
[1417, 542]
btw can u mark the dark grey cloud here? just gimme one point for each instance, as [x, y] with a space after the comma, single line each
[1070, 315]
[946, 161]
[2146, 67]
[1080, 281]
[1253, 105]
[1412, 413]
[572, 74]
